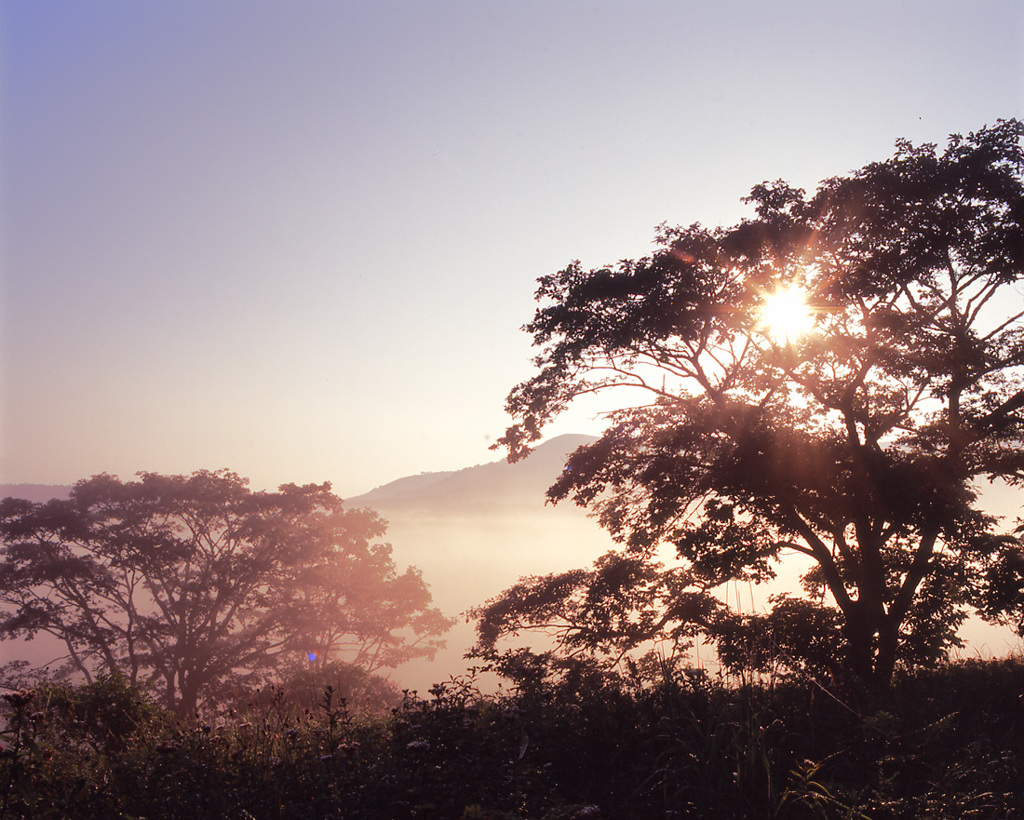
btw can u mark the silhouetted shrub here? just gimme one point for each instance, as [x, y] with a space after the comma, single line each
[944, 743]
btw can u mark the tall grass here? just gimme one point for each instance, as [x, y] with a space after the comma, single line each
[945, 743]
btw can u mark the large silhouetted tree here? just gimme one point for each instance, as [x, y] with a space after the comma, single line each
[195, 584]
[856, 439]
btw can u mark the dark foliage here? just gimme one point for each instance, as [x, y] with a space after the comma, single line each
[857, 444]
[947, 743]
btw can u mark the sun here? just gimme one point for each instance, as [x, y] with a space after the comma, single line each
[785, 315]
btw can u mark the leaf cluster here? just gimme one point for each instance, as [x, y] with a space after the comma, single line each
[195, 585]
[858, 445]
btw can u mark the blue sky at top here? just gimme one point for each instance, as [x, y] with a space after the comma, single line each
[299, 239]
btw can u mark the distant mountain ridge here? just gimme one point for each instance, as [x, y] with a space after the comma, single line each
[484, 489]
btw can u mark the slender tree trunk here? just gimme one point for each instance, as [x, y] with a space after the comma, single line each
[169, 694]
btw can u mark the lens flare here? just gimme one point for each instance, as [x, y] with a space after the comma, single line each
[785, 315]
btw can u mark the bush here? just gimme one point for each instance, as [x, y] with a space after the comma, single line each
[946, 743]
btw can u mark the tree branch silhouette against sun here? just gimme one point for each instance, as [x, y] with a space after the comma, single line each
[785, 315]
[831, 378]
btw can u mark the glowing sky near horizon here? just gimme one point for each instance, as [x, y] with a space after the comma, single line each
[298, 240]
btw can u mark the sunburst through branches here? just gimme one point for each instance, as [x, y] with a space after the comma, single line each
[785, 315]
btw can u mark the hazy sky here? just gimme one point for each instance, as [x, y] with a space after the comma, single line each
[298, 239]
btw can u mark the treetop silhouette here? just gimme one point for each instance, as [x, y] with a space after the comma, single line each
[858, 442]
[196, 585]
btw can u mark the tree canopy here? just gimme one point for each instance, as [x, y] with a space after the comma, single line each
[195, 584]
[857, 436]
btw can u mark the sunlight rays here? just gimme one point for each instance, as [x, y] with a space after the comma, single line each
[785, 315]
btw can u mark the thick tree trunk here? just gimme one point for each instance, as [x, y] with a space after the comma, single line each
[888, 648]
[860, 640]
[187, 702]
[872, 648]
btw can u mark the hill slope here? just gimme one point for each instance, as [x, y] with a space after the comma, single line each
[475, 532]
[485, 489]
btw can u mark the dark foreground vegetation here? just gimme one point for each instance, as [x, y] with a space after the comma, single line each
[945, 743]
